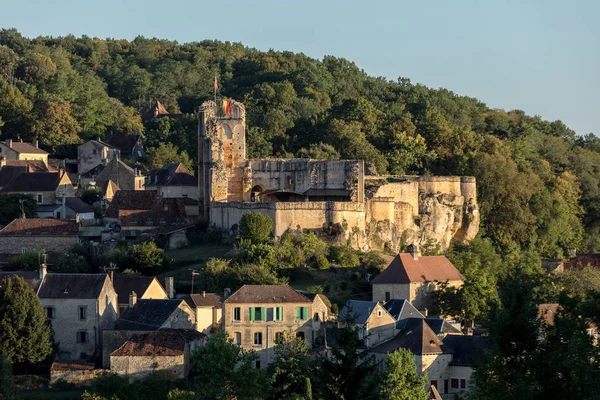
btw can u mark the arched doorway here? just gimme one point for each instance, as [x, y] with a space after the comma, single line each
[254, 193]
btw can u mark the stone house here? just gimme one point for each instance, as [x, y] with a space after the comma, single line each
[147, 315]
[166, 351]
[80, 307]
[136, 210]
[45, 187]
[94, 153]
[414, 278]
[256, 317]
[448, 361]
[129, 146]
[209, 311]
[17, 150]
[29, 165]
[145, 287]
[375, 325]
[173, 180]
[406, 314]
[53, 236]
[125, 177]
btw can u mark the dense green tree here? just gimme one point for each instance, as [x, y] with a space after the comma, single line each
[401, 380]
[290, 369]
[146, 255]
[7, 389]
[256, 227]
[71, 262]
[54, 124]
[224, 371]
[25, 333]
[167, 153]
[13, 206]
[91, 195]
[29, 261]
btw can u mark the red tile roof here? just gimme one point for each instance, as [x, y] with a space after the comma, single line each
[31, 165]
[548, 312]
[208, 300]
[405, 269]
[256, 294]
[159, 343]
[21, 147]
[39, 226]
[143, 204]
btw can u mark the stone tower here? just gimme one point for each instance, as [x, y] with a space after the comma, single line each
[221, 153]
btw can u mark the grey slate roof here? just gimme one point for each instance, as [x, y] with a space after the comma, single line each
[124, 285]
[358, 310]
[420, 339]
[72, 286]
[78, 205]
[172, 174]
[401, 309]
[467, 350]
[34, 181]
[147, 315]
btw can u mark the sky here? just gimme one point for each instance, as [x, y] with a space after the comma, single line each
[540, 56]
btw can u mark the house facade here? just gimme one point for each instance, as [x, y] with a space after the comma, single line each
[45, 187]
[80, 307]
[145, 287]
[94, 153]
[415, 278]
[374, 324]
[257, 316]
[125, 177]
[209, 311]
[173, 180]
[17, 150]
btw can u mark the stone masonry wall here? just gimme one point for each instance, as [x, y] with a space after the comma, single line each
[52, 244]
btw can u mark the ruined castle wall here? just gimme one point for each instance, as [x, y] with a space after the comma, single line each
[225, 215]
[407, 192]
[382, 208]
[300, 175]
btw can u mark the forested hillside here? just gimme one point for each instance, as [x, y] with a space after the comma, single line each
[538, 183]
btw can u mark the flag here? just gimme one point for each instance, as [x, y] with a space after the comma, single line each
[216, 85]
[226, 107]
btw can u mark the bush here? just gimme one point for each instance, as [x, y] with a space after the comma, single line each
[318, 289]
[288, 254]
[345, 256]
[146, 255]
[261, 254]
[322, 263]
[29, 261]
[71, 262]
[372, 261]
[314, 249]
[91, 195]
[256, 227]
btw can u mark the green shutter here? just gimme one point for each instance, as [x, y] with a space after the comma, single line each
[281, 313]
[298, 313]
[304, 312]
[251, 314]
[263, 314]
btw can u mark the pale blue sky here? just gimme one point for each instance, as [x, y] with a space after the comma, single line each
[542, 56]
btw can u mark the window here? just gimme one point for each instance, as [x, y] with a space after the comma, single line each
[379, 313]
[82, 337]
[184, 192]
[445, 385]
[278, 337]
[387, 296]
[162, 220]
[258, 338]
[434, 383]
[238, 338]
[454, 383]
[50, 312]
[148, 220]
[133, 220]
[237, 314]
[95, 151]
[82, 312]
[301, 313]
[463, 383]
[316, 317]
[257, 314]
[257, 364]
[277, 313]
[40, 197]
[300, 335]
[23, 250]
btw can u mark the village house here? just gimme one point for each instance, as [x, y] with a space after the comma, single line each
[45, 187]
[17, 150]
[371, 320]
[414, 278]
[146, 315]
[406, 314]
[145, 287]
[137, 211]
[209, 311]
[321, 308]
[94, 153]
[165, 351]
[129, 146]
[29, 165]
[256, 317]
[125, 177]
[173, 180]
[80, 307]
[50, 235]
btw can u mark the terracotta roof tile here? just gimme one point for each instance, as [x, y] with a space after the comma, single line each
[257, 294]
[159, 343]
[208, 300]
[40, 226]
[22, 147]
[405, 269]
[31, 165]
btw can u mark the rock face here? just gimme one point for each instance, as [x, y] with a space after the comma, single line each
[432, 211]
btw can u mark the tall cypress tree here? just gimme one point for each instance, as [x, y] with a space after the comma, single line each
[25, 334]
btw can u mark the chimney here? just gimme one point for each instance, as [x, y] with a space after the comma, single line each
[573, 253]
[132, 299]
[112, 276]
[413, 249]
[35, 143]
[226, 293]
[170, 286]
[9, 143]
[43, 271]
[203, 293]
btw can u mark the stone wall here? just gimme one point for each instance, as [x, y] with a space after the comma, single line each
[51, 244]
[138, 367]
[380, 328]
[75, 377]
[417, 293]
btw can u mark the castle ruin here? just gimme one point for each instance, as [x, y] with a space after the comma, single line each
[371, 212]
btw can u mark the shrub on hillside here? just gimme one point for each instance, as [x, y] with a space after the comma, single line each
[256, 227]
[344, 255]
